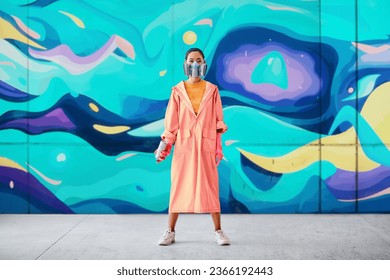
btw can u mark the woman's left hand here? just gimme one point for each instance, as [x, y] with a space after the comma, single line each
[218, 150]
[218, 158]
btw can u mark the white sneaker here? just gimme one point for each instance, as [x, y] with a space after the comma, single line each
[221, 238]
[167, 239]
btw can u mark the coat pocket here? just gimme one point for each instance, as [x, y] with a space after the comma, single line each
[208, 140]
[183, 142]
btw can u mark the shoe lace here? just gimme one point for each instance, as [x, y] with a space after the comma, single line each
[169, 231]
[222, 234]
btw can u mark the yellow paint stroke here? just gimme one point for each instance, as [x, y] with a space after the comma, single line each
[26, 29]
[111, 129]
[230, 142]
[371, 49]
[93, 107]
[205, 21]
[125, 156]
[47, 179]
[162, 73]
[125, 46]
[378, 194]
[283, 8]
[8, 63]
[75, 19]
[10, 163]
[375, 112]
[189, 37]
[8, 31]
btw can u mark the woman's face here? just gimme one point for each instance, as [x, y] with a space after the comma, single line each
[194, 56]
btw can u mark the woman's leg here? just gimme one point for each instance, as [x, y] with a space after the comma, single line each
[172, 219]
[220, 236]
[217, 220]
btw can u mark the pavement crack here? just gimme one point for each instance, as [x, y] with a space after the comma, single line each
[66, 233]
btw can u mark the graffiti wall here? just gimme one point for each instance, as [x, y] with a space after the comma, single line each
[305, 87]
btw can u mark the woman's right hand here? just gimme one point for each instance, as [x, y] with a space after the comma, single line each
[163, 155]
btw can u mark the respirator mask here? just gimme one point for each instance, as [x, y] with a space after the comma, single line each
[195, 69]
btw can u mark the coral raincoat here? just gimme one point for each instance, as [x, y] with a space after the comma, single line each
[194, 174]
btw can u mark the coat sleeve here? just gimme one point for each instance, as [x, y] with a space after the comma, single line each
[221, 126]
[171, 123]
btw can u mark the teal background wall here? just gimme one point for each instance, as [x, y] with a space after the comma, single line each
[304, 84]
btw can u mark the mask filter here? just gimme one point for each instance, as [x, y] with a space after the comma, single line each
[195, 69]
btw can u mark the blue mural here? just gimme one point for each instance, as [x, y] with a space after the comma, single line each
[304, 84]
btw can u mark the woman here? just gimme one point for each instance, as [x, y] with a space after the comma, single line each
[194, 123]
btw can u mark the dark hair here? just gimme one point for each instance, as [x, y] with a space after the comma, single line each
[194, 50]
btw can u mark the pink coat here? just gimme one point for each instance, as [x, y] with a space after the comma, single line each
[194, 174]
